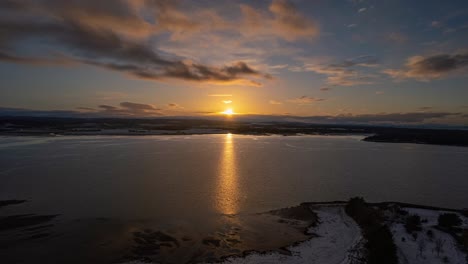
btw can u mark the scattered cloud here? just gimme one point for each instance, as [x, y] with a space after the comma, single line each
[220, 95]
[280, 66]
[86, 108]
[450, 30]
[274, 102]
[351, 25]
[345, 73]
[381, 118]
[283, 20]
[227, 101]
[174, 106]
[120, 37]
[397, 37]
[436, 24]
[379, 92]
[129, 109]
[325, 88]
[109, 95]
[125, 109]
[430, 67]
[361, 10]
[426, 108]
[305, 100]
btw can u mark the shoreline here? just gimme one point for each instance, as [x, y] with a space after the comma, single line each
[358, 250]
[366, 137]
[332, 235]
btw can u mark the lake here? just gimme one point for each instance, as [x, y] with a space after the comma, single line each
[196, 185]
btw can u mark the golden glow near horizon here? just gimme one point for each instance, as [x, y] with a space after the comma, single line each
[228, 112]
[227, 196]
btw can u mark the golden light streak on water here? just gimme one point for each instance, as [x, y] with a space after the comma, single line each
[227, 189]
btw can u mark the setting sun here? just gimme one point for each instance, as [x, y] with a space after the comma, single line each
[228, 112]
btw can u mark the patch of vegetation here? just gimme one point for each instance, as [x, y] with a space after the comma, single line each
[430, 234]
[413, 224]
[451, 224]
[449, 220]
[465, 212]
[465, 239]
[301, 212]
[380, 246]
[10, 202]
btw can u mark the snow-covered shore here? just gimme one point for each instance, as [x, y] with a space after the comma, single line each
[336, 239]
[339, 240]
[430, 245]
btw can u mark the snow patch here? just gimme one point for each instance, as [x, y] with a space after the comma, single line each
[338, 237]
[423, 249]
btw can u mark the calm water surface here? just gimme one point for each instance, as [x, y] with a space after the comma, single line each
[191, 180]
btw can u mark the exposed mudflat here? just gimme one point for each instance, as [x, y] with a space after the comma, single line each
[56, 239]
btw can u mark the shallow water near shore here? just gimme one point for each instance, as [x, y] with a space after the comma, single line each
[114, 194]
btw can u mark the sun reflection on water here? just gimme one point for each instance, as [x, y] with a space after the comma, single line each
[227, 190]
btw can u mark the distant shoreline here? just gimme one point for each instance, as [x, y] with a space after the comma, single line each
[425, 139]
[42, 126]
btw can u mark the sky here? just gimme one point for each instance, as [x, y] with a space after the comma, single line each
[393, 61]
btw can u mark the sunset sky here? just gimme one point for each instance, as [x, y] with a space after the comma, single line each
[387, 60]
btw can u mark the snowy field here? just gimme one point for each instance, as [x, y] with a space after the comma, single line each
[440, 248]
[337, 237]
[338, 240]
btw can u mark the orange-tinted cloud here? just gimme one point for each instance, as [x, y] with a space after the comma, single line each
[305, 100]
[430, 67]
[282, 20]
[105, 35]
[343, 73]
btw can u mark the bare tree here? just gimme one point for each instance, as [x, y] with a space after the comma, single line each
[421, 246]
[439, 246]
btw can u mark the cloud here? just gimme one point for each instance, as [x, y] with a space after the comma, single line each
[425, 108]
[379, 92]
[361, 10]
[128, 109]
[345, 73]
[305, 100]
[397, 37]
[220, 95]
[274, 102]
[380, 118]
[13, 112]
[107, 107]
[174, 106]
[436, 24]
[86, 108]
[54, 60]
[430, 67]
[109, 95]
[117, 36]
[279, 66]
[227, 101]
[231, 74]
[289, 22]
[283, 20]
[365, 61]
[138, 107]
